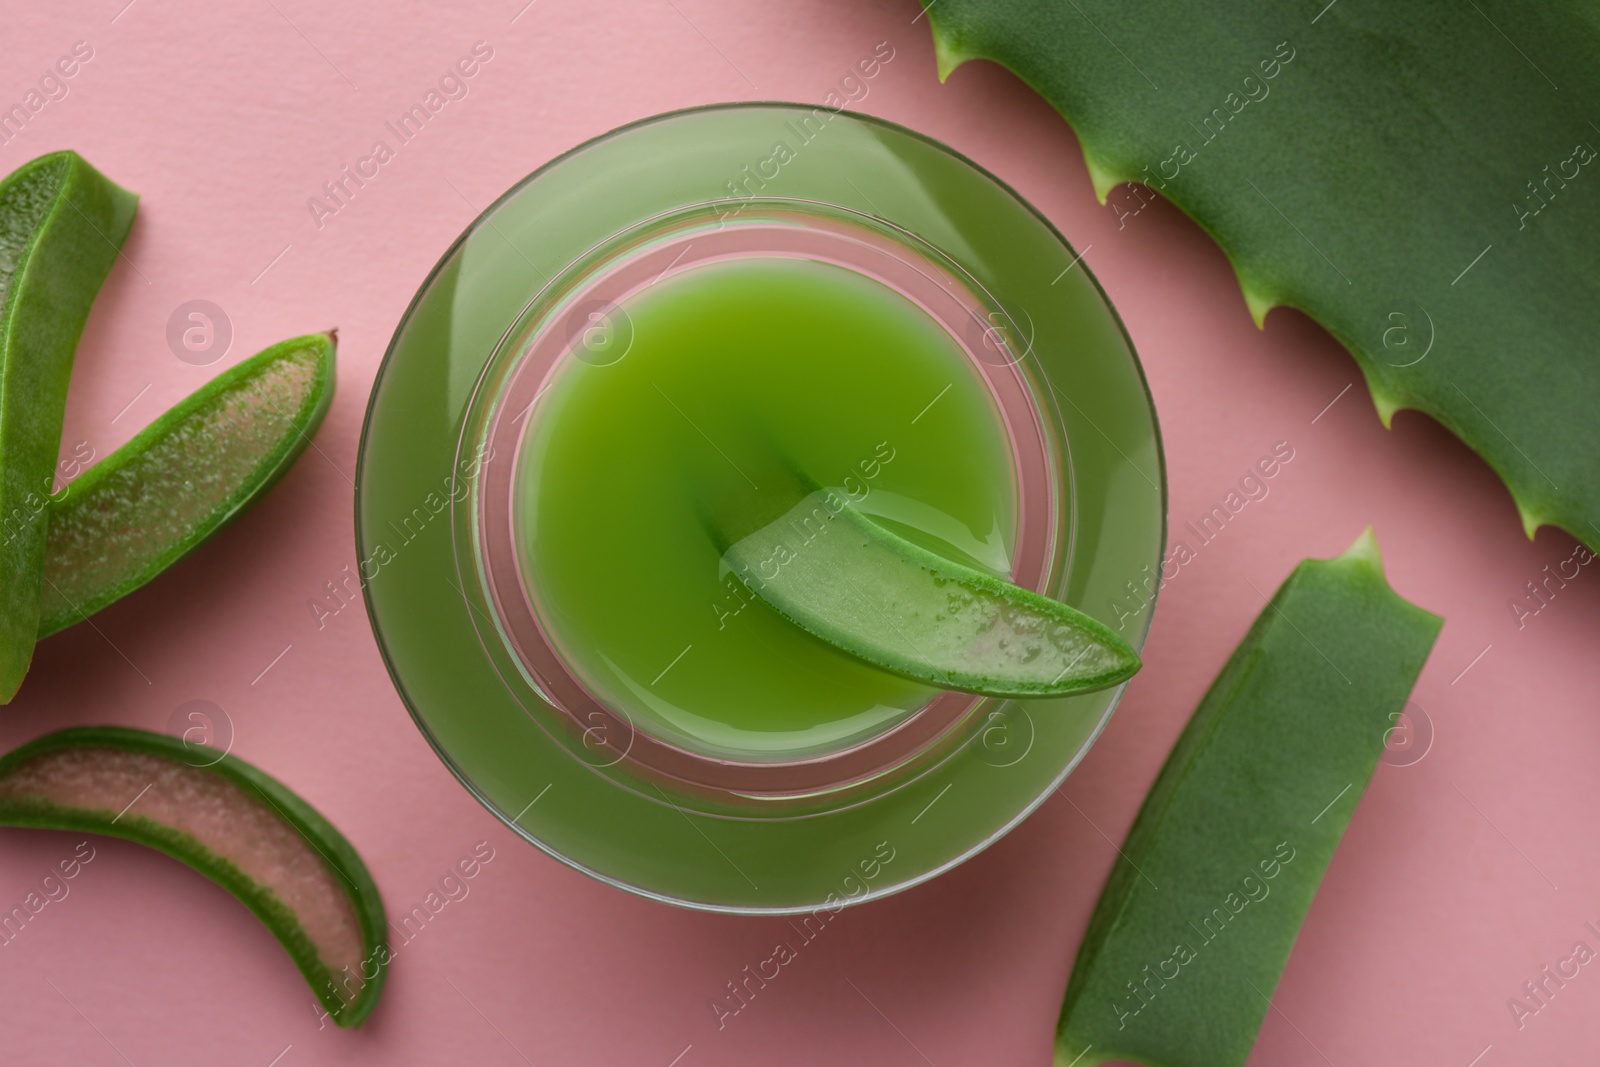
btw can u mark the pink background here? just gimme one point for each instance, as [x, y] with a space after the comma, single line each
[1441, 902]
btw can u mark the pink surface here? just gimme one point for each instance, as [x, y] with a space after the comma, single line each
[1461, 875]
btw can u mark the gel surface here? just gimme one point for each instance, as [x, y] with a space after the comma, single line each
[742, 386]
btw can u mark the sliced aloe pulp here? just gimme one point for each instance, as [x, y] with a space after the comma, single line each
[870, 592]
[236, 825]
[183, 478]
[62, 225]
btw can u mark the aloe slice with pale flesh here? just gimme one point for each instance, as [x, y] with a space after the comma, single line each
[231, 822]
[1195, 923]
[835, 573]
[62, 225]
[183, 478]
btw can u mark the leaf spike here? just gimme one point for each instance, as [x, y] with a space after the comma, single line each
[946, 52]
[1258, 302]
[1385, 402]
[1363, 550]
[1531, 520]
[1104, 177]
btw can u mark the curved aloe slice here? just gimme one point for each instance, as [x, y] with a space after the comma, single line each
[62, 225]
[1198, 916]
[237, 826]
[843, 578]
[183, 478]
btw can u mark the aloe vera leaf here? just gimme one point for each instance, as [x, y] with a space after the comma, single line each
[1409, 176]
[864, 589]
[1197, 918]
[62, 225]
[236, 825]
[183, 478]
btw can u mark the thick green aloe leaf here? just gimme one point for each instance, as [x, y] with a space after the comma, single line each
[835, 573]
[183, 478]
[241, 828]
[62, 224]
[1196, 921]
[1420, 178]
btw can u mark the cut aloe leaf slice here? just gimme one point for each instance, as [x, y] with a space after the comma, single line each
[62, 225]
[1196, 921]
[864, 589]
[234, 824]
[183, 478]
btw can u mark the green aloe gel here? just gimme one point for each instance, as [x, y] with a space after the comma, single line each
[738, 375]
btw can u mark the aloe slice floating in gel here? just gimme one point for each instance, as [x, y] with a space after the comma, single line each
[62, 225]
[862, 588]
[234, 824]
[1198, 916]
[183, 478]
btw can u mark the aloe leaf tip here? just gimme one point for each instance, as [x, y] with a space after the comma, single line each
[1364, 549]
